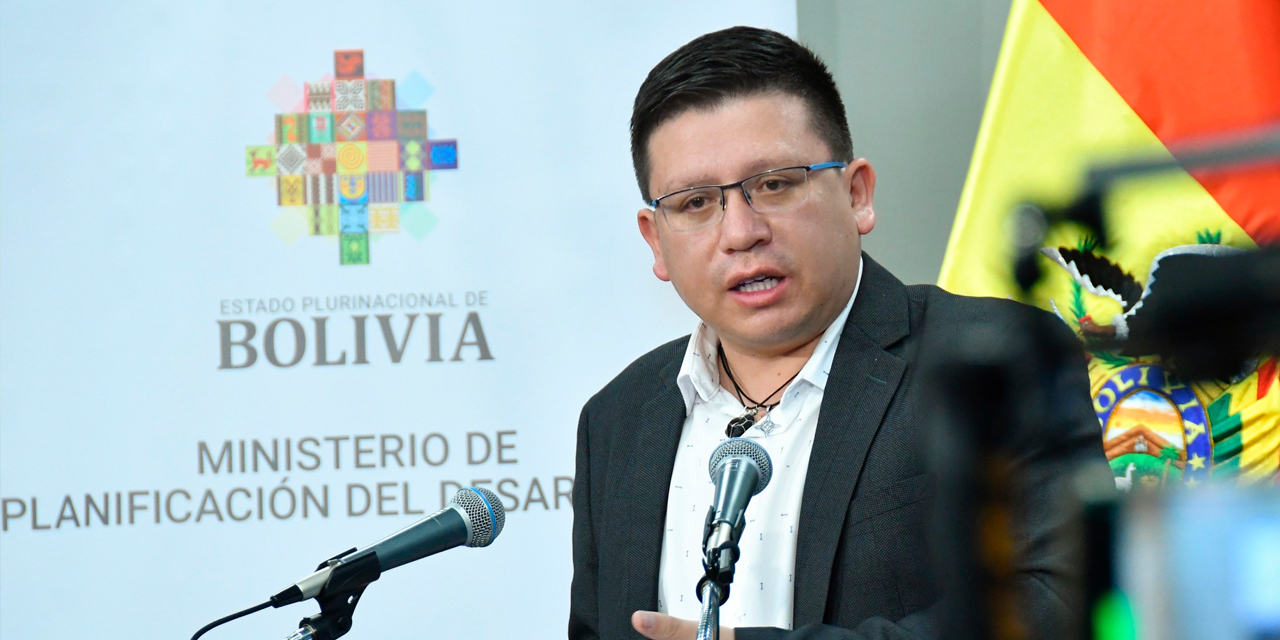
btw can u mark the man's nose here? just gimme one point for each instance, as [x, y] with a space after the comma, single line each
[742, 228]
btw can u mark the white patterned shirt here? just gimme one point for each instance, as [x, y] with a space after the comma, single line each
[762, 594]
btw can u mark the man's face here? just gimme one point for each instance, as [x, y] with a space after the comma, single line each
[808, 257]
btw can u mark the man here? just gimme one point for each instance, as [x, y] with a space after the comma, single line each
[805, 345]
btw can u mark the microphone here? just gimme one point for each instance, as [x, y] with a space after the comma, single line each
[740, 469]
[474, 517]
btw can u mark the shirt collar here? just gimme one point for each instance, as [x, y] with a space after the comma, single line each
[699, 376]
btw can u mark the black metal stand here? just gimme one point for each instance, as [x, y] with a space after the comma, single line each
[719, 560]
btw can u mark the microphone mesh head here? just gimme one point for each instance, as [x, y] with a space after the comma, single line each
[743, 448]
[484, 512]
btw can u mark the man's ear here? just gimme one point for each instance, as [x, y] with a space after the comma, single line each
[862, 188]
[648, 221]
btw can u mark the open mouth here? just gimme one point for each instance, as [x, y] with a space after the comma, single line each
[762, 283]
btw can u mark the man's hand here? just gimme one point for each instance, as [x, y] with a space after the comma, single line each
[659, 626]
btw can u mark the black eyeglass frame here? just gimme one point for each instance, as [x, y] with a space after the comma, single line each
[656, 204]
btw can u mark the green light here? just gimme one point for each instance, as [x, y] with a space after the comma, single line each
[1113, 618]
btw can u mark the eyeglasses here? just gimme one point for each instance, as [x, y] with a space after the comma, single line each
[769, 192]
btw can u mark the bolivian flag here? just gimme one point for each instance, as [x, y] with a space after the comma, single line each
[1081, 82]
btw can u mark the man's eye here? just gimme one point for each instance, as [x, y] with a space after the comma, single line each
[695, 203]
[774, 184]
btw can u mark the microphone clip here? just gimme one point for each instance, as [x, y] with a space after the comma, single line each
[720, 552]
[340, 595]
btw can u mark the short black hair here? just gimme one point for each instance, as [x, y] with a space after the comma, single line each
[736, 63]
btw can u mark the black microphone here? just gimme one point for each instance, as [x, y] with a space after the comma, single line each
[740, 469]
[474, 517]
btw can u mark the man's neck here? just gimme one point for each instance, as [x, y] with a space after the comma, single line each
[761, 373]
[760, 369]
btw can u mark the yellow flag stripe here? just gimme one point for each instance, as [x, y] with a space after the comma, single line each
[1015, 34]
[1260, 436]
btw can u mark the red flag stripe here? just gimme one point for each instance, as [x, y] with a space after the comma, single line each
[1266, 377]
[1190, 68]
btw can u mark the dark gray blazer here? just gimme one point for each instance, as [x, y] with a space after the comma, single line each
[863, 566]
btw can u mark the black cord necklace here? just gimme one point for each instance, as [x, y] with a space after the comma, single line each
[740, 424]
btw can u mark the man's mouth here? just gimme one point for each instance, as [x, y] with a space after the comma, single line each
[762, 283]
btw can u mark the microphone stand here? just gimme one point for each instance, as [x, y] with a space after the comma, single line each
[720, 546]
[709, 621]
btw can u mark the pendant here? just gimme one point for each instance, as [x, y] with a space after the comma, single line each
[740, 424]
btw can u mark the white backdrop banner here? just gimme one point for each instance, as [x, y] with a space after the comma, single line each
[278, 278]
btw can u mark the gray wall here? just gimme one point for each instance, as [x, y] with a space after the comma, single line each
[914, 75]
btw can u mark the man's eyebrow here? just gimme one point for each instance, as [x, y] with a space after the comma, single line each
[760, 166]
[757, 167]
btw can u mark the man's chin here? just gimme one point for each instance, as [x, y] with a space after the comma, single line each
[775, 338]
